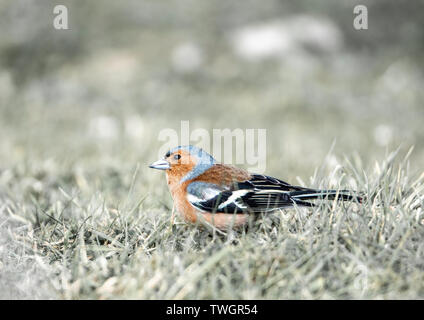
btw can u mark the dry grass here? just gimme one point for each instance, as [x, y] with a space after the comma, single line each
[82, 216]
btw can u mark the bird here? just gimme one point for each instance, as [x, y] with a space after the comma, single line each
[225, 196]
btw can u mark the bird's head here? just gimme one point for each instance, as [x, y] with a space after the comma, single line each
[184, 162]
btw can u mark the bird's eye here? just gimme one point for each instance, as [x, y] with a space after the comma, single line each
[177, 157]
[167, 154]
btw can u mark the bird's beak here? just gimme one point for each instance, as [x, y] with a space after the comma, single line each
[160, 164]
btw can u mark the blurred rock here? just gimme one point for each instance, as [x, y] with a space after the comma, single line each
[115, 68]
[134, 127]
[258, 42]
[281, 37]
[399, 87]
[383, 135]
[187, 57]
[319, 34]
[104, 128]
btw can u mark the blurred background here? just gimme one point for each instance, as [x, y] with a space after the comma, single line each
[93, 98]
[81, 109]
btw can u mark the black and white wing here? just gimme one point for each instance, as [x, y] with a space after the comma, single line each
[268, 193]
[258, 194]
[209, 197]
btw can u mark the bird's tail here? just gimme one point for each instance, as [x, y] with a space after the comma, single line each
[310, 194]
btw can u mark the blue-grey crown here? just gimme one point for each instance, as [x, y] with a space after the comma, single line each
[203, 161]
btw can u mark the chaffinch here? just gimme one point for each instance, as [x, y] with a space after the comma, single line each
[225, 196]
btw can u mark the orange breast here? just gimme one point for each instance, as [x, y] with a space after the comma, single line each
[182, 205]
[221, 174]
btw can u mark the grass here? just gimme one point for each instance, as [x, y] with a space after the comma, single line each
[93, 250]
[83, 217]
